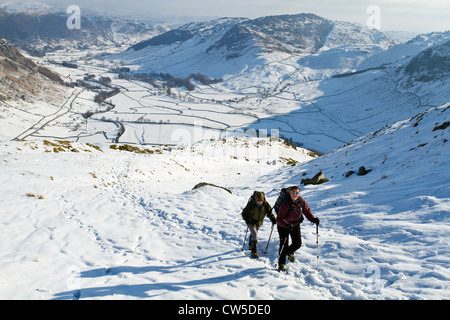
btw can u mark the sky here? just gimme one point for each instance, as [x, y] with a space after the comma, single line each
[420, 16]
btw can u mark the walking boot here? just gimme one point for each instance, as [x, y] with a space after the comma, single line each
[291, 257]
[254, 249]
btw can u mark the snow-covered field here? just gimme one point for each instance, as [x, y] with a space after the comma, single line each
[296, 95]
[319, 115]
[110, 224]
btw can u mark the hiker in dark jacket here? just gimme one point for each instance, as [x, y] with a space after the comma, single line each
[289, 216]
[253, 214]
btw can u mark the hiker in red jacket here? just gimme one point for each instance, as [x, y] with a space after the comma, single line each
[289, 216]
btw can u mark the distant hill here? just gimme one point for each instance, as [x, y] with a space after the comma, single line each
[41, 31]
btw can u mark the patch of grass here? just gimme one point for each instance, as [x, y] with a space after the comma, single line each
[94, 147]
[66, 146]
[289, 161]
[312, 154]
[59, 145]
[129, 148]
[32, 195]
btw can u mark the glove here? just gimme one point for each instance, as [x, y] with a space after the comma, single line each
[274, 221]
[316, 221]
[289, 227]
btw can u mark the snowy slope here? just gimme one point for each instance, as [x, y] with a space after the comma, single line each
[83, 223]
[400, 209]
[343, 33]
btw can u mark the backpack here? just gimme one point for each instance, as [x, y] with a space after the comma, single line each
[284, 194]
[281, 198]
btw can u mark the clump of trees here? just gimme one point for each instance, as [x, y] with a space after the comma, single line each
[170, 81]
[46, 72]
[204, 79]
[106, 81]
[103, 95]
[69, 65]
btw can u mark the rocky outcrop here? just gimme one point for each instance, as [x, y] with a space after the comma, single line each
[319, 178]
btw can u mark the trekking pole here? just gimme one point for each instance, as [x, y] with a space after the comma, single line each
[245, 238]
[317, 241]
[270, 236]
[279, 254]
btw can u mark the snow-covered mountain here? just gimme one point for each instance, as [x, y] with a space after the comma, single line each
[402, 36]
[430, 65]
[39, 28]
[419, 66]
[26, 6]
[229, 46]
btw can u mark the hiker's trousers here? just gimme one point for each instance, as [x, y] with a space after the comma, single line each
[296, 242]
